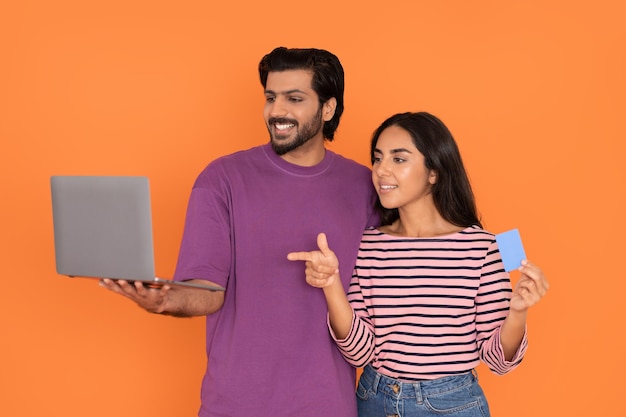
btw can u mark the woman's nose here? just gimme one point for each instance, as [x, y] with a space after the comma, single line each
[382, 168]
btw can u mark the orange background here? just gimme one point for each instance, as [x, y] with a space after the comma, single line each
[534, 92]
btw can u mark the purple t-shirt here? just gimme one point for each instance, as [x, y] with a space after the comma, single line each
[269, 349]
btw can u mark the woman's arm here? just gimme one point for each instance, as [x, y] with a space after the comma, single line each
[353, 334]
[531, 287]
[322, 271]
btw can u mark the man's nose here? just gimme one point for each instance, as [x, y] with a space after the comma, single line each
[278, 108]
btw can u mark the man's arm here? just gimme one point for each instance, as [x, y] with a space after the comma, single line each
[173, 301]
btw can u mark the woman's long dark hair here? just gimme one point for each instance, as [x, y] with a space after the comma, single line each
[452, 193]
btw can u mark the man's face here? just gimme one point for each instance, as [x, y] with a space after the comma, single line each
[292, 111]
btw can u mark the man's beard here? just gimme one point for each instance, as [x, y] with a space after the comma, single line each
[303, 135]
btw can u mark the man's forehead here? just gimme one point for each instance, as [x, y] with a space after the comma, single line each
[289, 80]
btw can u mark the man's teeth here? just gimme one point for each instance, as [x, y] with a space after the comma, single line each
[283, 127]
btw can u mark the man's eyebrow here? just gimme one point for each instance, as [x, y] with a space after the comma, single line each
[295, 90]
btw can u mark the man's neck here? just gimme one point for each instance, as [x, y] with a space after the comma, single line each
[307, 155]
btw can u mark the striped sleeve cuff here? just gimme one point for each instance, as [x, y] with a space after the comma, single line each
[493, 354]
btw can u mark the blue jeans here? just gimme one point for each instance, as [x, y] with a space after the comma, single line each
[458, 396]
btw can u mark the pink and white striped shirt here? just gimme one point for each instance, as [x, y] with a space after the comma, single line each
[426, 308]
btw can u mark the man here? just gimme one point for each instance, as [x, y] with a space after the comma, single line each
[268, 346]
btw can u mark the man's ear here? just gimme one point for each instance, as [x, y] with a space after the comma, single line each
[328, 109]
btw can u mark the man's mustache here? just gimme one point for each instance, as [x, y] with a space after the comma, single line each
[282, 121]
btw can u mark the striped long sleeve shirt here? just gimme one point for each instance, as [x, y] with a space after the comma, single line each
[426, 308]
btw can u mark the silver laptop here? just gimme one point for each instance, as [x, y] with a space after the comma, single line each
[103, 229]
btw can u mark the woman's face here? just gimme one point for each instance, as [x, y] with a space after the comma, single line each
[399, 172]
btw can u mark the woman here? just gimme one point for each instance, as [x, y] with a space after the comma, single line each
[429, 297]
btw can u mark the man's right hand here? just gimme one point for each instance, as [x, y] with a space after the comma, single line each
[152, 300]
[179, 302]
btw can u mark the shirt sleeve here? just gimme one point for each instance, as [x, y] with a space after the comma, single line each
[492, 307]
[206, 250]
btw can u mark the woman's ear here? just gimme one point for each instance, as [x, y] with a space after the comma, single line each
[432, 177]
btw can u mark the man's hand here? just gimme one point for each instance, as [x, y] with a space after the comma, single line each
[152, 300]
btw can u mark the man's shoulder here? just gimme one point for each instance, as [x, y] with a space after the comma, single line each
[350, 164]
[238, 157]
[227, 166]
[253, 152]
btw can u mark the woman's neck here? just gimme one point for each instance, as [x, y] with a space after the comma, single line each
[421, 223]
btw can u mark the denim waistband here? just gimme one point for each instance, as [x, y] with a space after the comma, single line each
[415, 389]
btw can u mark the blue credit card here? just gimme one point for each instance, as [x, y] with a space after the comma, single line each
[511, 249]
